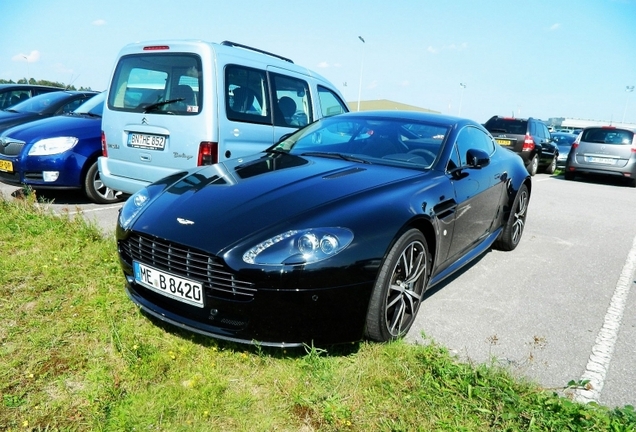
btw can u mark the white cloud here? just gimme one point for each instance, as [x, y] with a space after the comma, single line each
[404, 83]
[323, 65]
[33, 57]
[99, 22]
[555, 26]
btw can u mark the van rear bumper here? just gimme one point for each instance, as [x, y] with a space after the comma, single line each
[126, 184]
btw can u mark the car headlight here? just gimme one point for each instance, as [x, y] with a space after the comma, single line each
[132, 207]
[51, 146]
[300, 246]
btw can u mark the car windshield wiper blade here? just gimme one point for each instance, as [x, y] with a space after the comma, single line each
[333, 155]
[156, 105]
[89, 114]
[276, 151]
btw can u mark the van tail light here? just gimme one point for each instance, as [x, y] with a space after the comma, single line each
[208, 153]
[104, 147]
[528, 143]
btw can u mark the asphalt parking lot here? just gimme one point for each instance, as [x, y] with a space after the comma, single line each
[558, 308]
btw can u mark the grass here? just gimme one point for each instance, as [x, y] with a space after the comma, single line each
[77, 355]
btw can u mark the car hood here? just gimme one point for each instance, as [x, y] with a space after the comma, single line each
[66, 125]
[9, 119]
[217, 206]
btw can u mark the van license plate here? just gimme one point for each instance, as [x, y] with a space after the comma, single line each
[145, 141]
[184, 290]
[6, 166]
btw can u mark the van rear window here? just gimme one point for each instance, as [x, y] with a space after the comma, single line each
[157, 83]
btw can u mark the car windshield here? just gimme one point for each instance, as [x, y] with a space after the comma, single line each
[39, 103]
[389, 141]
[563, 139]
[608, 136]
[94, 106]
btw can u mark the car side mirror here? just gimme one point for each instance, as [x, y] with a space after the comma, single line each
[476, 158]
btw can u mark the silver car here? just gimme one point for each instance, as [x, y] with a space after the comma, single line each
[564, 141]
[605, 150]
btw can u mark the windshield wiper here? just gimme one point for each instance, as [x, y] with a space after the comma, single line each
[89, 114]
[336, 156]
[156, 105]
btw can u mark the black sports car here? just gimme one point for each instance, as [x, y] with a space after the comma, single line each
[331, 235]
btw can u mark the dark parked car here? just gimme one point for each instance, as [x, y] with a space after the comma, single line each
[11, 94]
[331, 235]
[530, 138]
[564, 141]
[42, 106]
[605, 150]
[58, 152]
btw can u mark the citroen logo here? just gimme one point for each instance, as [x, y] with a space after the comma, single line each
[144, 121]
[183, 221]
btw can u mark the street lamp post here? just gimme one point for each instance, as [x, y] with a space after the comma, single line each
[27, 62]
[628, 90]
[361, 67]
[461, 98]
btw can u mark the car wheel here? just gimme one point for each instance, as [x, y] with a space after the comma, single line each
[534, 165]
[550, 169]
[96, 190]
[568, 175]
[513, 229]
[398, 290]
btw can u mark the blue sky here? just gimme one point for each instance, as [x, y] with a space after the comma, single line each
[557, 58]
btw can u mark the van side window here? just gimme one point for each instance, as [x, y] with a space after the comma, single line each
[246, 95]
[330, 103]
[292, 106]
[146, 83]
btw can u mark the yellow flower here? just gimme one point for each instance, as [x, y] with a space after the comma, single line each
[25, 423]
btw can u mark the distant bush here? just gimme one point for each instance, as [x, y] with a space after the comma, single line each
[43, 82]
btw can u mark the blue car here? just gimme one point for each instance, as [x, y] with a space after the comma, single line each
[58, 153]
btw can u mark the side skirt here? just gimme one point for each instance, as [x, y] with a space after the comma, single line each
[475, 252]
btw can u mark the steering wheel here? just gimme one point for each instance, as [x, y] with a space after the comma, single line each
[426, 154]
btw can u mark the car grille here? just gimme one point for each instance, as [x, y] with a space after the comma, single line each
[216, 279]
[9, 147]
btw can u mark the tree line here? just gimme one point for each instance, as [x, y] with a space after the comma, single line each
[43, 82]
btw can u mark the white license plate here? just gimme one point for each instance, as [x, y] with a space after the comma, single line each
[600, 160]
[145, 141]
[172, 286]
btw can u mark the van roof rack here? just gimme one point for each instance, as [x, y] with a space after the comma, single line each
[234, 44]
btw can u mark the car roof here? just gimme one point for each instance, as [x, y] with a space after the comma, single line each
[410, 115]
[27, 86]
[626, 128]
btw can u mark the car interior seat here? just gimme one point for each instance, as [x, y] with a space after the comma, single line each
[287, 108]
[243, 99]
[185, 92]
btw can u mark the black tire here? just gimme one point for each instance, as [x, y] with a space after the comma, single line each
[551, 168]
[399, 288]
[97, 191]
[534, 165]
[513, 229]
[568, 175]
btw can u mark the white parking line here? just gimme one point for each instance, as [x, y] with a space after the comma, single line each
[94, 209]
[603, 348]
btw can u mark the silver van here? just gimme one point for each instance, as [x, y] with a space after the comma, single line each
[175, 105]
